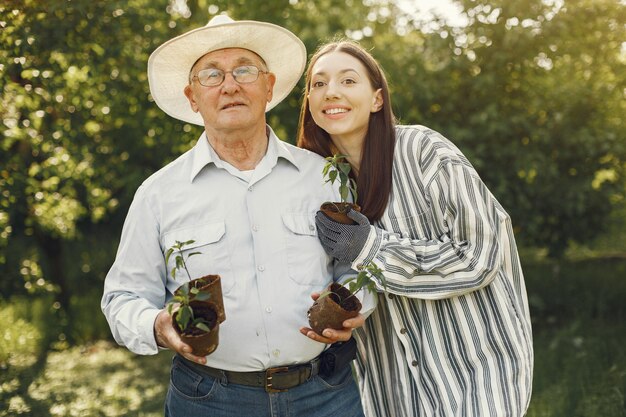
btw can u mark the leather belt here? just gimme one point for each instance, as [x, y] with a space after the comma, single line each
[273, 379]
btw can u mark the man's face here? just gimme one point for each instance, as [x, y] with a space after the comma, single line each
[230, 106]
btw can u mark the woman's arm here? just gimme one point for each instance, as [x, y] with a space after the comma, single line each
[463, 252]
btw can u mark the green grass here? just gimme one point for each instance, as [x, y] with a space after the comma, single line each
[578, 313]
[578, 323]
[91, 380]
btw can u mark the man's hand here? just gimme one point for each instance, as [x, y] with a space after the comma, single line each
[329, 336]
[166, 336]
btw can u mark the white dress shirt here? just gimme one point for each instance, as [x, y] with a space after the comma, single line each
[255, 229]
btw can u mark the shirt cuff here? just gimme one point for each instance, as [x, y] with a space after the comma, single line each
[146, 328]
[370, 249]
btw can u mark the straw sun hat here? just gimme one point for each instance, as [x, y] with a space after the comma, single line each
[170, 63]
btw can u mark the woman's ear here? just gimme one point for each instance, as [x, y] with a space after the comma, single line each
[378, 101]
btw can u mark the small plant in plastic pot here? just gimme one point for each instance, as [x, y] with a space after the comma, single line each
[197, 307]
[338, 169]
[339, 303]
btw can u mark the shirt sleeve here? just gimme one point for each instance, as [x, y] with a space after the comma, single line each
[463, 253]
[134, 288]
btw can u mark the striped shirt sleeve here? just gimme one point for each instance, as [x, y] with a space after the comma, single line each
[456, 250]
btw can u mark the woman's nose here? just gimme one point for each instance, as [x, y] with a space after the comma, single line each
[331, 91]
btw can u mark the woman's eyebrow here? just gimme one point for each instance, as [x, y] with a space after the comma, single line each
[343, 71]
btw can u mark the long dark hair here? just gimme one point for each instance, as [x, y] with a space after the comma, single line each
[375, 174]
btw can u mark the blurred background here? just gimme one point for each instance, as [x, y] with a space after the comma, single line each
[532, 91]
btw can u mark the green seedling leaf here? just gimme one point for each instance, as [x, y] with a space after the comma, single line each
[203, 296]
[168, 254]
[364, 279]
[183, 317]
[343, 192]
[324, 294]
[202, 326]
[336, 168]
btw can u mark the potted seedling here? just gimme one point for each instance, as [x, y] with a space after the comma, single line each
[337, 168]
[200, 305]
[339, 303]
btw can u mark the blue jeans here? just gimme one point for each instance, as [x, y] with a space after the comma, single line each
[191, 394]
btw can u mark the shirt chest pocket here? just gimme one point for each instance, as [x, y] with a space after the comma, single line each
[307, 263]
[210, 248]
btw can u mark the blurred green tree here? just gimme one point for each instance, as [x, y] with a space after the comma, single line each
[533, 92]
[80, 132]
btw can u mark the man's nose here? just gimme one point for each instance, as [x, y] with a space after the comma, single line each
[229, 84]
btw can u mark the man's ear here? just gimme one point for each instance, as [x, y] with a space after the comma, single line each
[378, 101]
[271, 80]
[192, 101]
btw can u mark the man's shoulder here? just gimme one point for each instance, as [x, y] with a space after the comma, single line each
[172, 172]
[302, 155]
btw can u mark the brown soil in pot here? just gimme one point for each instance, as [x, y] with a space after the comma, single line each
[331, 311]
[337, 211]
[202, 343]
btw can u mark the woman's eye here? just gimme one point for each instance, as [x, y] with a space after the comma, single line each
[317, 84]
[349, 81]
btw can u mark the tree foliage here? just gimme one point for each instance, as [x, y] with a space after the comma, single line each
[532, 91]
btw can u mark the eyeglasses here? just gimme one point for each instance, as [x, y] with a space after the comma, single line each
[212, 77]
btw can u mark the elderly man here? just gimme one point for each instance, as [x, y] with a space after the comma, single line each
[248, 201]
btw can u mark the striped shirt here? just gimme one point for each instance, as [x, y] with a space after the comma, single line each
[452, 334]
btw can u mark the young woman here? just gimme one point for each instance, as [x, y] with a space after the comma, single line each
[451, 336]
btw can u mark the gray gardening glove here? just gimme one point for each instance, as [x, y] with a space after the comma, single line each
[343, 241]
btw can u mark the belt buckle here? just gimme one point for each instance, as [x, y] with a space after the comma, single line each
[269, 375]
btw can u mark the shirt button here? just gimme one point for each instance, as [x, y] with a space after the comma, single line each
[403, 330]
[391, 296]
[414, 363]
[255, 228]
[311, 227]
[261, 268]
[250, 188]
[359, 267]
[276, 352]
[268, 309]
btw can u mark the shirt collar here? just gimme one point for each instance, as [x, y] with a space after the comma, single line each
[203, 154]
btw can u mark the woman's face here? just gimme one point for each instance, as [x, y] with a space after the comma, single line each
[341, 97]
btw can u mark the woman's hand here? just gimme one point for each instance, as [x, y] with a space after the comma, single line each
[343, 241]
[329, 336]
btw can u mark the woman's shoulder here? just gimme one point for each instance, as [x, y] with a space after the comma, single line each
[421, 136]
[427, 144]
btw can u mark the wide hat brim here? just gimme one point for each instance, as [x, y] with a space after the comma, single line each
[169, 65]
